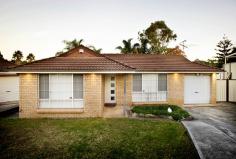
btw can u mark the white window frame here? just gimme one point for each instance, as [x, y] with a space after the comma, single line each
[142, 96]
[73, 100]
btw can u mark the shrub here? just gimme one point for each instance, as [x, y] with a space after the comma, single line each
[162, 109]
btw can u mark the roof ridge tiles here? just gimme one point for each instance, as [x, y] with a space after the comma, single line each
[121, 63]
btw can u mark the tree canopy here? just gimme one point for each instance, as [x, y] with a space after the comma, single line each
[1, 56]
[69, 45]
[175, 51]
[17, 57]
[223, 48]
[95, 49]
[30, 58]
[154, 39]
[128, 47]
[158, 35]
[72, 44]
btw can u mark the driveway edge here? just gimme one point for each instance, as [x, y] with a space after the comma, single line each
[194, 141]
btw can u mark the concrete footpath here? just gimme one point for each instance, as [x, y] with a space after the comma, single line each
[213, 130]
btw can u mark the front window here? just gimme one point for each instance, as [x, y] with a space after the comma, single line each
[61, 90]
[149, 87]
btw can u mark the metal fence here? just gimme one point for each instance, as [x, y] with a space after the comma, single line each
[149, 96]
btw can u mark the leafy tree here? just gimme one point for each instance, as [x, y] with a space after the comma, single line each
[95, 49]
[210, 62]
[175, 51]
[158, 35]
[17, 57]
[224, 48]
[128, 47]
[59, 53]
[72, 44]
[144, 44]
[30, 58]
[1, 56]
[233, 57]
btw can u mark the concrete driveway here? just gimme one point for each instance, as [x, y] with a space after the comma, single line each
[9, 109]
[213, 130]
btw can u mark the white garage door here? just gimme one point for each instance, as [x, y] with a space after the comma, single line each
[196, 89]
[9, 88]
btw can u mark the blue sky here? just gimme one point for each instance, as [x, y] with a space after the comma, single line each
[40, 26]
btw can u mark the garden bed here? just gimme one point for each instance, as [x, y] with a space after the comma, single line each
[161, 111]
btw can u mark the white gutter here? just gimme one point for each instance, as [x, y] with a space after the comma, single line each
[105, 72]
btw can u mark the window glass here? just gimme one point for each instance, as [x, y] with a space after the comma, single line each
[162, 82]
[78, 86]
[112, 84]
[137, 82]
[43, 86]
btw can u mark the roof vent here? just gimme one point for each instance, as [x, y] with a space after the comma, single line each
[81, 51]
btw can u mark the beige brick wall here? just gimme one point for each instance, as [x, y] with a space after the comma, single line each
[213, 88]
[175, 88]
[93, 99]
[94, 95]
[28, 95]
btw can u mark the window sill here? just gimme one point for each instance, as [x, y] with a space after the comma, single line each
[60, 110]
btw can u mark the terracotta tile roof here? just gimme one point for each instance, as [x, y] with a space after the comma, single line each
[161, 63]
[90, 61]
[4, 64]
[70, 64]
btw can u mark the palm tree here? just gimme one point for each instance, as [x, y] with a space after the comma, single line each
[72, 44]
[128, 47]
[95, 49]
[144, 49]
[17, 57]
[30, 58]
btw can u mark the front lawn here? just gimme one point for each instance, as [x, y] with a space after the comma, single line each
[94, 138]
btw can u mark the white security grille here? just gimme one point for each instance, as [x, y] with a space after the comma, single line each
[149, 87]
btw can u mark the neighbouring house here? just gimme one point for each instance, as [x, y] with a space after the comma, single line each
[9, 82]
[83, 83]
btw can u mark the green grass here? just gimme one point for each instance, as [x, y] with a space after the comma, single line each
[94, 138]
[177, 112]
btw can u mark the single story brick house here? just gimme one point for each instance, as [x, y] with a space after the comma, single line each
[83, 83]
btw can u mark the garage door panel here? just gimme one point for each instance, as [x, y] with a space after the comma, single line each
[196, 89]
[9, 88]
